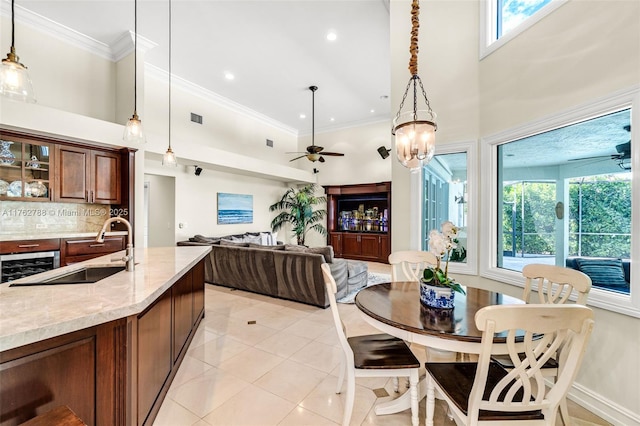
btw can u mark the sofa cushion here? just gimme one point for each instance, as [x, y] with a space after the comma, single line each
[203, 239]
[266, 247]
[603, 272]
[293, 247]
[225, 242]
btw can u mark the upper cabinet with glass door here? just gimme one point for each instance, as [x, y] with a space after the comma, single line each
[25, 169]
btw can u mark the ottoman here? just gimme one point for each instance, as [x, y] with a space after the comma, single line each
[357, 275]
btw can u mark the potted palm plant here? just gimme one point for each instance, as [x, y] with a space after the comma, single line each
[297, 209]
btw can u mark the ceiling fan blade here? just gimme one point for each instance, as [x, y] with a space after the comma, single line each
[314, 149]
[335, 154]
[297, 158]
[321, 159]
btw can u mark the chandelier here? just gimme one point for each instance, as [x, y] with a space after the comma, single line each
[414, 129]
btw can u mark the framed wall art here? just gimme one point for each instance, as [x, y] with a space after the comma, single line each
[234, 208]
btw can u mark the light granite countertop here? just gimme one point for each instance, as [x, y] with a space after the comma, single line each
[46, 235]
[32, 313]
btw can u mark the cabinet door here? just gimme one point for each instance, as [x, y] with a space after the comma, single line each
[385, 248]
[72, 180]
[105, 178]
[336, 243]
[370, 246]
[182, 312]
[154, 353]
[351, 244]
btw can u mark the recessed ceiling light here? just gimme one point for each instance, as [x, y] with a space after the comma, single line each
[229, 76]
[332, 36]
[303, 116]
[332, 119]
[372, 111]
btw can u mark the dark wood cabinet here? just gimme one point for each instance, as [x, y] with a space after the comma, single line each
[154, 353]
[87, 175]
[183, 309]
[335, 241]
[74, 250]
[116, 373]
[358, 218]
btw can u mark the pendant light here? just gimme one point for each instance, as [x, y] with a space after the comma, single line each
[133, 131]
[14, 78]
[169, 159]
[414, 130]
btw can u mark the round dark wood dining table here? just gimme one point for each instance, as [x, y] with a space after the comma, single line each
[395, 308]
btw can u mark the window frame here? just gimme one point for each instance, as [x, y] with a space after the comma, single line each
[621, 303]
[470, 267]
[489, 41]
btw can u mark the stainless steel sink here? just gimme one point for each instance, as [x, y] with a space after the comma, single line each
[87, 275]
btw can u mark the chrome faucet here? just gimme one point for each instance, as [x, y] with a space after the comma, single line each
[128, 257]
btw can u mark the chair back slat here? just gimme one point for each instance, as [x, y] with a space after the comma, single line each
[407, 265]
[548, 329]
[555, 284]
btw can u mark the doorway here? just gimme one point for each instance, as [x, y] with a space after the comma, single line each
[159, 211]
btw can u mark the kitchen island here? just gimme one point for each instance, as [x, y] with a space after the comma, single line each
[108, 350]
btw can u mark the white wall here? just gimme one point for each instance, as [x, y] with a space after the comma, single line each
[196, 200]
[64, 77]
[583, 51]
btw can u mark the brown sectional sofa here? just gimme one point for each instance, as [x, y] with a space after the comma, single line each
[284, 271]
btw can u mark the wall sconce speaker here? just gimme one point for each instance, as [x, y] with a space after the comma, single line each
[198, 170]
[384, 152]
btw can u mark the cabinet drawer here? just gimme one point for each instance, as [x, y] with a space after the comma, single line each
[90, 246]
[26, 246]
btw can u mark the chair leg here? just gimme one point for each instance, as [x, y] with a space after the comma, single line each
[396, 385]
[413, 381]
[431, 401]
[349, 400]
[343, 369]
[564, 412]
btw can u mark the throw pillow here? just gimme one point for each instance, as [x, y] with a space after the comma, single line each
[293, 247]
[255, 239]
[202, 239]
[326, 251]
[603, 272]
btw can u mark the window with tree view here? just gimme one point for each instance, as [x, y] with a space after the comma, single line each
[565, 199]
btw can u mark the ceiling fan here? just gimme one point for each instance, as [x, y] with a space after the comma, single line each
[623, 154]
[314, 152]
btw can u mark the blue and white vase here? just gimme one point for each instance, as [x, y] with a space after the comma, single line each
[437, 296]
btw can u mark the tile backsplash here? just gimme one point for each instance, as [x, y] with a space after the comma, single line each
[18, 217]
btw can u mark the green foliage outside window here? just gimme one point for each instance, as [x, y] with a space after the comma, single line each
[599, 217]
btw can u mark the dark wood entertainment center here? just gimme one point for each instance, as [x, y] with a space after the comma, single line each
[358, 220]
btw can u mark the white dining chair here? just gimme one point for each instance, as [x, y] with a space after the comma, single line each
[486, 393]
[377, 355]
[555, 285]
[407, 265]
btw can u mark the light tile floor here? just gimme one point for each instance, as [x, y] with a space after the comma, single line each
[282, 370]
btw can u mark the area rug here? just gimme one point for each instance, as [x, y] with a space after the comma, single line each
[372, 278]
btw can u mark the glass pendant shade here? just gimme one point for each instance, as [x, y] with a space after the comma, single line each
[169, 159]
[15, 82]
[133, 131]
[415, 138]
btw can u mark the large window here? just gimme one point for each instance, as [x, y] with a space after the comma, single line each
[563, 194]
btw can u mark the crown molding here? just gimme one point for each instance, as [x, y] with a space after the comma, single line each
[58, 31]
[124, 44]
[207, 95]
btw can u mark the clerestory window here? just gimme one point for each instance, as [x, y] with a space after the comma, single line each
[504, 19]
